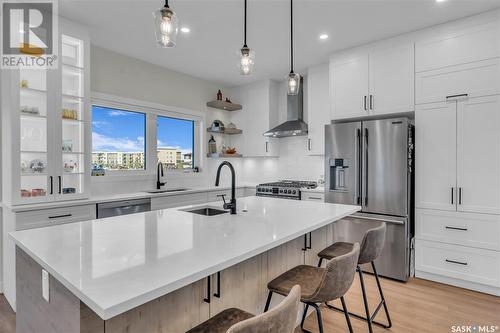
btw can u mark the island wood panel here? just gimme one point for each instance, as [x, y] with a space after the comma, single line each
[177, 311]
[64, 313]
[282, 258]
[241, 286]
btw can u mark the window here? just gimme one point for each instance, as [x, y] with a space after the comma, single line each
[118, 139]
[175, 142]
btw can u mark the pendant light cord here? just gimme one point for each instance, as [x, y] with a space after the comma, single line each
[166, 4]
[245, 28]
[291, 36]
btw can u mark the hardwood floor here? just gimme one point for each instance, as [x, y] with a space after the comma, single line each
[417, 306]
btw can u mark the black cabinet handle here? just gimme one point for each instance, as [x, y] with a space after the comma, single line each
[371, 102]
[456, 262]
[459, 195]
[310, 241]
[60, 216]
[207, 299]
[452, 198]
[305, 243]
[51, 185]
[309, 144]
[60, 184]
[217, 294]
[267, 148]
[365, 104]
[456, 228]
[457, 96]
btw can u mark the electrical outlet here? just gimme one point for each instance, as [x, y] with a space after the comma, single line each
[45, 285]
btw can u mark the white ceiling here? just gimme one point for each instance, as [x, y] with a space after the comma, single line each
[210, 50]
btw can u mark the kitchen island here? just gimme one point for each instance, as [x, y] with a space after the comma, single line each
[164, 270]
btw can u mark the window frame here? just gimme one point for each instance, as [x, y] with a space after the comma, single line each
[152, 111]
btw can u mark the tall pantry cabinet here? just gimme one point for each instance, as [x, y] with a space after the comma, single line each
[457, 89]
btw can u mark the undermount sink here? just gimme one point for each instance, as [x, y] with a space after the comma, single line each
[207, 211]
[168, 190]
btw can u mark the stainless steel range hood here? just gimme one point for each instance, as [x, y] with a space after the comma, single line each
[295, 125]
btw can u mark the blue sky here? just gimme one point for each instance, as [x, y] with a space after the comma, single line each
[117, 130]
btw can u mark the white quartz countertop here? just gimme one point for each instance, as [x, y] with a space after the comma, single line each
[116, 264]
[119, 197]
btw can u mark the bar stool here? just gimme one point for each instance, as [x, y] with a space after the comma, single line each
[280, 319]
[371, 247]
[319, 285]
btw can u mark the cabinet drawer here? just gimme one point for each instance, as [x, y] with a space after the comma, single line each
[48, 217]
[311, 196]
[458, 262]
[475, 230]
[178, 200]
[474, 44]
[476, 79]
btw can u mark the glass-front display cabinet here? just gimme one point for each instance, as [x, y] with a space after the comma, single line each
[49, 154]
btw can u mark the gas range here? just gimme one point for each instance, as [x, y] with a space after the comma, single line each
[287, 189]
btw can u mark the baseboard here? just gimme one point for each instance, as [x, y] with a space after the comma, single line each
[458, 283]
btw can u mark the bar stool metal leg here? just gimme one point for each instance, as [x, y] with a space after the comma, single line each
[365, 300]
[346, 313]
[304, 315]
[320, 319]
[320, 262]
[268, 302]
[383, 303]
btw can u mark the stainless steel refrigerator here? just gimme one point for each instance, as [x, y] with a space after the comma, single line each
[370, 163]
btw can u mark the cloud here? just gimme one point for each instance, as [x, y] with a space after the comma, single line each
[105, 143]
[117, 113]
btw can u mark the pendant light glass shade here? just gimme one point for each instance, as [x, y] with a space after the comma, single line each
[246, 62]
[247, 56]
[166, 26]
[293, 83]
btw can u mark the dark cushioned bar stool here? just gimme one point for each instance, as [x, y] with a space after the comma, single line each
[319, 285]
[371, 247]
[280, 319]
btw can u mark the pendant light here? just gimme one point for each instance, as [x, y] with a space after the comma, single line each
[166, 26]
[246, 56]
[293, 79]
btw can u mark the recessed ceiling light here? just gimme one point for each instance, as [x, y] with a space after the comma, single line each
[440, 0]
[185, 29]
[323, 36]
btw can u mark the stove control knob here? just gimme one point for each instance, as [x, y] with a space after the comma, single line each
[294, 192]
[289, 191]
[281, 190]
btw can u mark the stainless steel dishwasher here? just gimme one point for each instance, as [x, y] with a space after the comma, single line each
[117, 208]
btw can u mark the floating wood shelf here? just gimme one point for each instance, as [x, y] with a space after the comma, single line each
[222, 105]
[228, 131]
[224, 155]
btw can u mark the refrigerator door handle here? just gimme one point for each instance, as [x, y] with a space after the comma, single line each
[357, 154]
[366, 169]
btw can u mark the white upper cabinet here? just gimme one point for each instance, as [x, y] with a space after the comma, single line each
[258, 115]
[349, 87]
[481, 78]
[318, 108]
[377, 80]
[458, 47]
[435, 156]
[478, 155]
[392, 79]
[464, 63]
[45, 116]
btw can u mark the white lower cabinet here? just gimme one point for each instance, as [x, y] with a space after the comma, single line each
[13, 221]
[458, 248]
[469, 264]
[465, 229]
